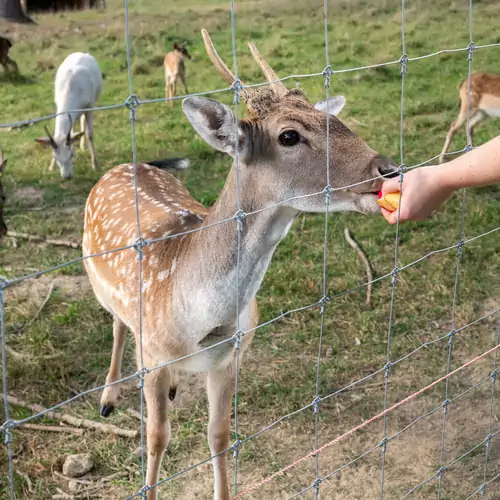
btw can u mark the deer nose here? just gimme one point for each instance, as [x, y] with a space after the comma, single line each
[384, 166]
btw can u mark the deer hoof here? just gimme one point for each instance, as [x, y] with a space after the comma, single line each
[106, 410]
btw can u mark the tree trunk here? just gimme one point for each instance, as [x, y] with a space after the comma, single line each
[11, 10]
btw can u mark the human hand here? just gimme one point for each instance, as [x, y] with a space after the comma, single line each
[422, 192]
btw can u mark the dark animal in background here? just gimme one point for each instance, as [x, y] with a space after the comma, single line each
[5, 60]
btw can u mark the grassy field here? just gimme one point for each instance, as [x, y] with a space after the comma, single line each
[64, 349]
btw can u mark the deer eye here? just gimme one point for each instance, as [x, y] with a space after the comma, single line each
[289, 138]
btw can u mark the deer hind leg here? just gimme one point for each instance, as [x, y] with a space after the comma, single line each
[156, 389]
[182, 76]
[89, 134]
[82, 129]
[474, 121]
[110, 394]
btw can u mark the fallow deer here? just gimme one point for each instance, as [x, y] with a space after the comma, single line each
[484, 103]
[189, 282]
[3, 226]
[175, 69]
[78, 85]
[5, 60]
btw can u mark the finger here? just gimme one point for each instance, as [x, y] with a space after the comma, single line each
[391, 186]
[388, 216]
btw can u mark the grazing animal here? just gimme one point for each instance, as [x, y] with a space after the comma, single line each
[175, 69]
[189, 292]
[78, 85]
[5, 60]
[484, 103]
[3, 226]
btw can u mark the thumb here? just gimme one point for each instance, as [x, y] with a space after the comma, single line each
[391, 186]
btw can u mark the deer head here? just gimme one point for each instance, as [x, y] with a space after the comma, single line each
[181, 47]
[3, 226]
[282, 144]
[62, 148]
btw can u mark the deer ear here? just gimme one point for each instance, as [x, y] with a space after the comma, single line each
[332, 106]
[76, 136]
[43, 141]
[214, 122]
[175, 46]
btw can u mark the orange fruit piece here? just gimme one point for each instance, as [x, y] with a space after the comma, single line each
[390, 201]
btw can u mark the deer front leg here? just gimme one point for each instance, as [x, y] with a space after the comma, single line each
[156, 388]
[82, 129]
[110, 394]
[89, 134]
[220, 391]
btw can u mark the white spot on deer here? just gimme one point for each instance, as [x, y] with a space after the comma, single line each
[173, 266]
[162, 275]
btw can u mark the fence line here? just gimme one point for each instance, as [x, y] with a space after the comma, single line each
[132, 102]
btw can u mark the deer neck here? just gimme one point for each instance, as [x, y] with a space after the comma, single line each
[212, 268]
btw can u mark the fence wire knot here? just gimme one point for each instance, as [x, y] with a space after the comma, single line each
[5, 428]
[236, 447]
[322, 302]
[131, 102]
[328, 192]
[236, 87]
[315, 404]
[403, 60]
[316, 483]
[387, 369]
[446, 404]
[237, 339]
[451, 337]
[140, 243]
[239, 217]
[383, 444]
[327, 74]
[394, 273]
[468, 148]
[140, 375]
[402, 170]
[493, 376]
[144, 490]
[470, 51]
[441, 471]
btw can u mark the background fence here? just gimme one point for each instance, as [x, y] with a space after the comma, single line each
[323, 305]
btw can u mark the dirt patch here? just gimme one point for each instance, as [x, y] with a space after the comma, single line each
[28, 196]
[31, 293]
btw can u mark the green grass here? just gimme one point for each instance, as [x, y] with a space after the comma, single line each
[66, 349]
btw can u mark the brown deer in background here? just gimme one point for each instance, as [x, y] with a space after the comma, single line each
[189, 282]
[484, 102]
[3, 226]
[175, 69]
[5, 60]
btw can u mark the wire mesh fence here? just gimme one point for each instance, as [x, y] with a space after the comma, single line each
[322, 304]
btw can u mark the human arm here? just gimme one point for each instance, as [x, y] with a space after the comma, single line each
[426, 188]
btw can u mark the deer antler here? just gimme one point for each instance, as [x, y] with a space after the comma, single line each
[219, 64]
[271, 76]
[51, 139]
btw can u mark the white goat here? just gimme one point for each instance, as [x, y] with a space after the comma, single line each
[78, 85]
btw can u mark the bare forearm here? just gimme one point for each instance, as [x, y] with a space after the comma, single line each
[478, 167]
